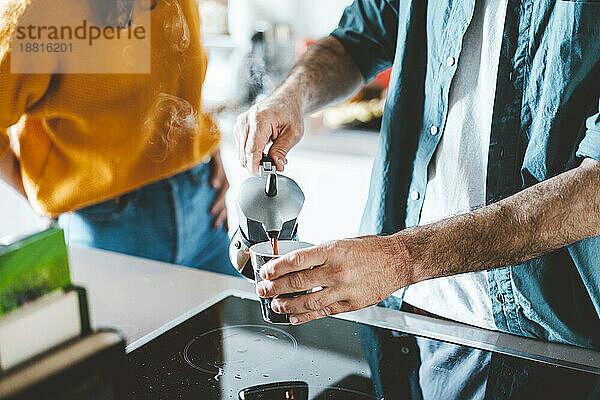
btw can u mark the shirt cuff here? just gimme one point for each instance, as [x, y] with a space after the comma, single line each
[590, 145]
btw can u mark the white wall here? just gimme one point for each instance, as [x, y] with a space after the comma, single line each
[309, 18]
[16, 217]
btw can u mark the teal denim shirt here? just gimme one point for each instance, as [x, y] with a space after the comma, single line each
[548, 87]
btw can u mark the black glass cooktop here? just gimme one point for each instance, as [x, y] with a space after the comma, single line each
[228, 348]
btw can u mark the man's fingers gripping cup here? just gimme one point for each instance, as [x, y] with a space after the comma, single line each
[262, 253]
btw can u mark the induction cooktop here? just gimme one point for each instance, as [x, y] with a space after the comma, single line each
[226, 351]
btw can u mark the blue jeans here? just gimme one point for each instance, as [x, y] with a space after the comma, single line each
[167, 221]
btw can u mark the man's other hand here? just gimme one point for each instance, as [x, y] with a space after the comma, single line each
[354, 274]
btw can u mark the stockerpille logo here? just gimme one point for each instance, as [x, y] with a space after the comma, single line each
[84, 36]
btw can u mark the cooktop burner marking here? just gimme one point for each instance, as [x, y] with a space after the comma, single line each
[255, 345]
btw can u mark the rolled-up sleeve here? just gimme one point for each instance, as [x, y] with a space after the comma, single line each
[368, 31]
[590, 145]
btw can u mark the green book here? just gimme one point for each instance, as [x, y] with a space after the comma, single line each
[32, 267]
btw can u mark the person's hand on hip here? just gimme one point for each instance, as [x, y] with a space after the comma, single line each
[219, 182]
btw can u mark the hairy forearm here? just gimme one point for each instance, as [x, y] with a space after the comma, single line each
[10, 173]
[324, 75]
[553, 214]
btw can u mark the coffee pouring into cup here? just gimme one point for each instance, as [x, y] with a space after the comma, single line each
[268, 206]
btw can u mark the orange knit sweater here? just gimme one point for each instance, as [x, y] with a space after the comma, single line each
[85, 138]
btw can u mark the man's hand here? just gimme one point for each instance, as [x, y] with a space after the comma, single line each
[360, 272]
[325, 74]
[220, 183]
[354, 274]
[277, 119]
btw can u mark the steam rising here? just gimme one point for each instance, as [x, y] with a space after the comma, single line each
[176, 28]
[171, 120]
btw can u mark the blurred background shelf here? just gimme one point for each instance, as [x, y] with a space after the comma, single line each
[212, 41]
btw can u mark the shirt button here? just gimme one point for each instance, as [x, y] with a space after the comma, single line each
[415, 195]
[450, 61]
[434, 130]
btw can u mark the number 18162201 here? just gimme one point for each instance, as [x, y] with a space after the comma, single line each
[39, 47]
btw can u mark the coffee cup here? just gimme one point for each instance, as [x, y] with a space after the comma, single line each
[262, 253]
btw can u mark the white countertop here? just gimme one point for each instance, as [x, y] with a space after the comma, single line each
[138, 296]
